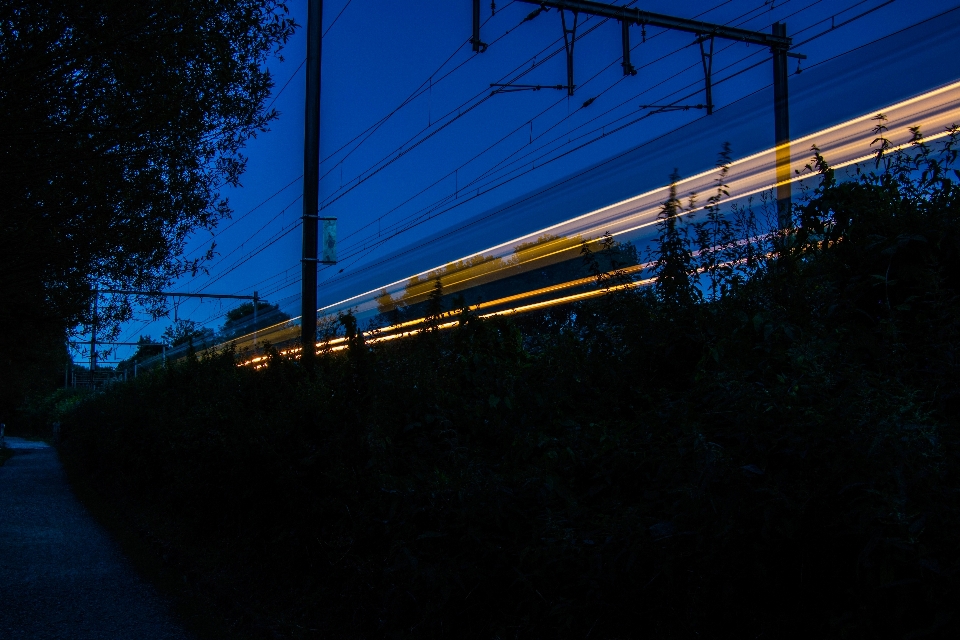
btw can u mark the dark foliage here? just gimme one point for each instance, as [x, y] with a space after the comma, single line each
[147, 348]
[119, 124]
[778, 459]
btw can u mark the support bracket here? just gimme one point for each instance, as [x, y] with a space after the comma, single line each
[499, 87]
[569, 39]
[664, 108]
[706, 56]
[478, 45]
[628, 69]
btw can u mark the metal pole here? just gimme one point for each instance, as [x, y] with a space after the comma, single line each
[781, 117]
[256, 303]
[569, 39]
[311, 184]
[475, 40]
[93, 334]
[707, 58]
[628, 69]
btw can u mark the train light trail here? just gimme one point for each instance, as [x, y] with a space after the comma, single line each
[842, 145]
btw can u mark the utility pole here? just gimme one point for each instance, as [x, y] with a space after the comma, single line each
[311, 184]
[781, 118]
[705, 33]
[256, 303]
[93, 335]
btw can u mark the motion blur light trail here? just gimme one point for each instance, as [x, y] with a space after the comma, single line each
[842, 145]
[420, 325]
[536, 268]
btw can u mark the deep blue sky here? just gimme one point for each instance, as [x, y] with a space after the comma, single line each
[379, 52]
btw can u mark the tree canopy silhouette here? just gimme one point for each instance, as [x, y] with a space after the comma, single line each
[120, 123]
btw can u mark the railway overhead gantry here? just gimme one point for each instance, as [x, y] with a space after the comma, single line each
[705, 34]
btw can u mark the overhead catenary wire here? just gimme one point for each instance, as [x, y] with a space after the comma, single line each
[539, 158]
[577, 148]
[559, 102]
[523, 125]
[701, 14]
[580, 146]
[525, 70]
[442, 123]
[722, 80]
[491, 170]
[236, 220]
[751, 11]
[376, 125]
[350, 256]
[257, 251]
[424, 86]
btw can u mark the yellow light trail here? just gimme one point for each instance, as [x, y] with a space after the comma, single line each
[386, 334]
[844, 144]
[841, 144]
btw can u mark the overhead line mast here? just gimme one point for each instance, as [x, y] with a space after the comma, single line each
[778, 41]
[311, 184]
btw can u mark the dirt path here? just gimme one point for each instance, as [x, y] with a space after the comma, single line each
[61, 576]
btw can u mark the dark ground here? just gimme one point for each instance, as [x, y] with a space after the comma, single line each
[61, 576]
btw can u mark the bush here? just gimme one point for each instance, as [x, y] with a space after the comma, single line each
[37, 417]
[776, 457]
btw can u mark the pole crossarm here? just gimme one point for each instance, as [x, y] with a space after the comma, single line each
[640, 17]
[122, 344]
[500, 87]
[174, 294]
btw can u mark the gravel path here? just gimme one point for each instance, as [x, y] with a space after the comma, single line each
[61, 576]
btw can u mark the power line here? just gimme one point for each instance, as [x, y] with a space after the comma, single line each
[371, 129]
[304, 61]
[523, 125]
[488, 172]
[524, 65]
[462, 110]
[642, 117]
[276, 238]
[253, 235]
[628, 124]
[236, 220]
[451, 173]
[419, 91]
[491, 171]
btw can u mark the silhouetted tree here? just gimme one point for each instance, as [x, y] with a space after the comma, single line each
[119, 124]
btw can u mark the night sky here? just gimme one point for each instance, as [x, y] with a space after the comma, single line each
[379, 53]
